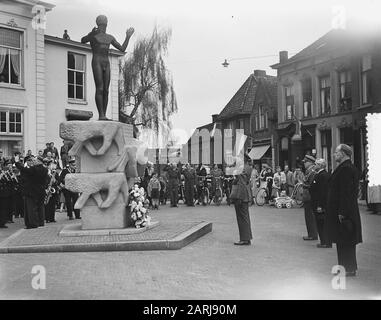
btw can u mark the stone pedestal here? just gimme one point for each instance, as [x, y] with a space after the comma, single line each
[105, 158]
[114, 217]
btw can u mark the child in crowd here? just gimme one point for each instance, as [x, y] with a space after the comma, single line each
[153, 191]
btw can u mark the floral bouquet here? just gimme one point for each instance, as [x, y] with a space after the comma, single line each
[139, 207]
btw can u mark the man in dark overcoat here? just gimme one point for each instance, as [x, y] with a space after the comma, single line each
[190, 183]
[319, 193]
[35, 183]
[343, 224]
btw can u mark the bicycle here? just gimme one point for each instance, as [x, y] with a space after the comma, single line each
[181, 195]
[217, 192]
[203, 193]
[227, 187]
[263, 194]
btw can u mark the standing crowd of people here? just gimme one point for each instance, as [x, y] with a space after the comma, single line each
[33, 186]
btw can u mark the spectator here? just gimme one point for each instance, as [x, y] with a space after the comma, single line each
[154, 191]
[343, 224]
[54, 150]
[290, 182]
[319, 193]
[309, 163]
[47, 149]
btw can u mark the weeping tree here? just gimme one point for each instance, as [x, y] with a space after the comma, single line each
[146, 85]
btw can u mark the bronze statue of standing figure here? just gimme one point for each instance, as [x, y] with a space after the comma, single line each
[100, 43]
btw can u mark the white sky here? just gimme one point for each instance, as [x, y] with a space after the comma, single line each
[205, 32]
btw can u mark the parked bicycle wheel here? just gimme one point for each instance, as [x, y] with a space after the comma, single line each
[261, 196]
[205, 197]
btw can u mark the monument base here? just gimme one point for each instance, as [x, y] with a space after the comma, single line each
[114, 217]
[75, 230]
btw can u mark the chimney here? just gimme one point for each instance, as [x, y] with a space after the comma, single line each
[214, 118]
[260, 73]
[283, 56]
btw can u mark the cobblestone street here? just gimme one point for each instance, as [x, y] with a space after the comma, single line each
[279, 264]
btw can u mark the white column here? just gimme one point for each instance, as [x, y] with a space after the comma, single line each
[40, 90]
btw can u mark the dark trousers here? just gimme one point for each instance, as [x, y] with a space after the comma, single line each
[50, 209]
[18, 203]
[310, 220]
[243, 220]
[174, 193]
[320, 219]
[70, 200]
[11, 207]
[346, 256]
[34, 214]
[3, 211]
[189, 194]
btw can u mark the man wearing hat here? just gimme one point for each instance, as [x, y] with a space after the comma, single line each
[242, 198]
[309, 165]
[35, 182]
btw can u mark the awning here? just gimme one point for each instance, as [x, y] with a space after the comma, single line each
[256, 153]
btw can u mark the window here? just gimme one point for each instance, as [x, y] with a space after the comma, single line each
[266, 119]
[307, 98]
[256, 122]
[261, 117]
[325, 95]
[76, 76]
[10, 56]
[366, 65]
[10, 122]
[345, 82]
[290, 106]
[3, 122]
[326, 147]
[346, 136]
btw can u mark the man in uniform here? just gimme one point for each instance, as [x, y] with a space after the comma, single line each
[70, 197]
[4, 198]
[173, 183]
[190, 182]
[319, 193]
[309, 165]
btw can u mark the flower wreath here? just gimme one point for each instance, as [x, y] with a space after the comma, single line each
[139, 207]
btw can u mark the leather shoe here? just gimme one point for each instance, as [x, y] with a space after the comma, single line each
[309, 238]
[324, 245]
[243, 243]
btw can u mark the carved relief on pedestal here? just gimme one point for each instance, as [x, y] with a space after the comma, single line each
[107, 160]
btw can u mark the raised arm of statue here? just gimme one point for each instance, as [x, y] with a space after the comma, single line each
[123, 47]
